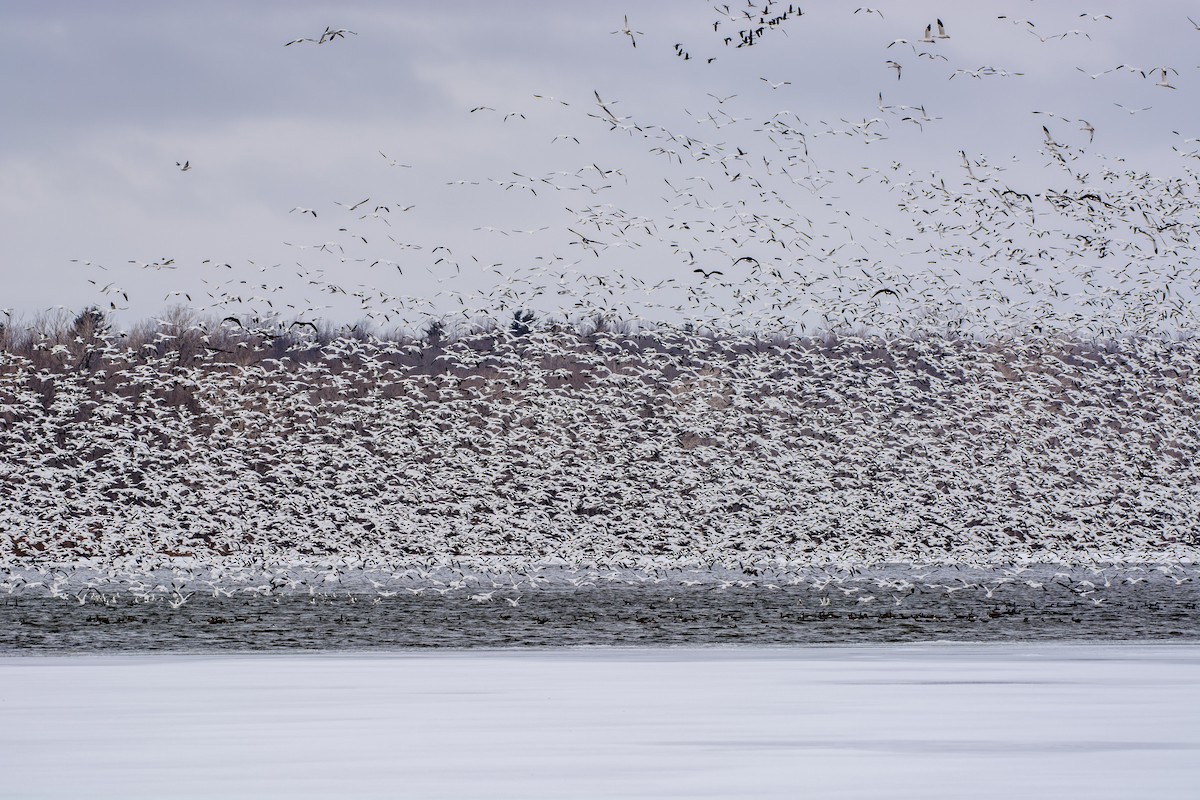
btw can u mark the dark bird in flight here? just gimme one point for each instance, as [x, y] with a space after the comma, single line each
[328, 36]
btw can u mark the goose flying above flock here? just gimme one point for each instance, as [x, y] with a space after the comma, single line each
[328, 35]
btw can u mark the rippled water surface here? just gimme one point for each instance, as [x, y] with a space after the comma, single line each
[884, 604]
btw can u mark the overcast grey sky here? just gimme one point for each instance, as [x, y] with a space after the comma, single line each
[690, 164]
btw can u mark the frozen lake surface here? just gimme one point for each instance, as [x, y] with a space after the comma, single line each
[1060, 720]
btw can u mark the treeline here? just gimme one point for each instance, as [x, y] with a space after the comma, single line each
[183, 360]
[540, 440]
[87, 341]
[554, 353]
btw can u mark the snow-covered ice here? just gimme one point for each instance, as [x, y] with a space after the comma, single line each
[924, 721]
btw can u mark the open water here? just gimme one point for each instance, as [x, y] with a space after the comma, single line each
[865, 606]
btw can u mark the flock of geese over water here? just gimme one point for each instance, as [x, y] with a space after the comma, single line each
[985, 365]
[598, 448]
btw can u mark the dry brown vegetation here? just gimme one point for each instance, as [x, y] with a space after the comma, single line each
[602, 442]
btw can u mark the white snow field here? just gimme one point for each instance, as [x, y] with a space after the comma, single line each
[928, 721]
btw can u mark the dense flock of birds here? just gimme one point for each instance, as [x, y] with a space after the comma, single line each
[1026, 394]
[612, 449]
